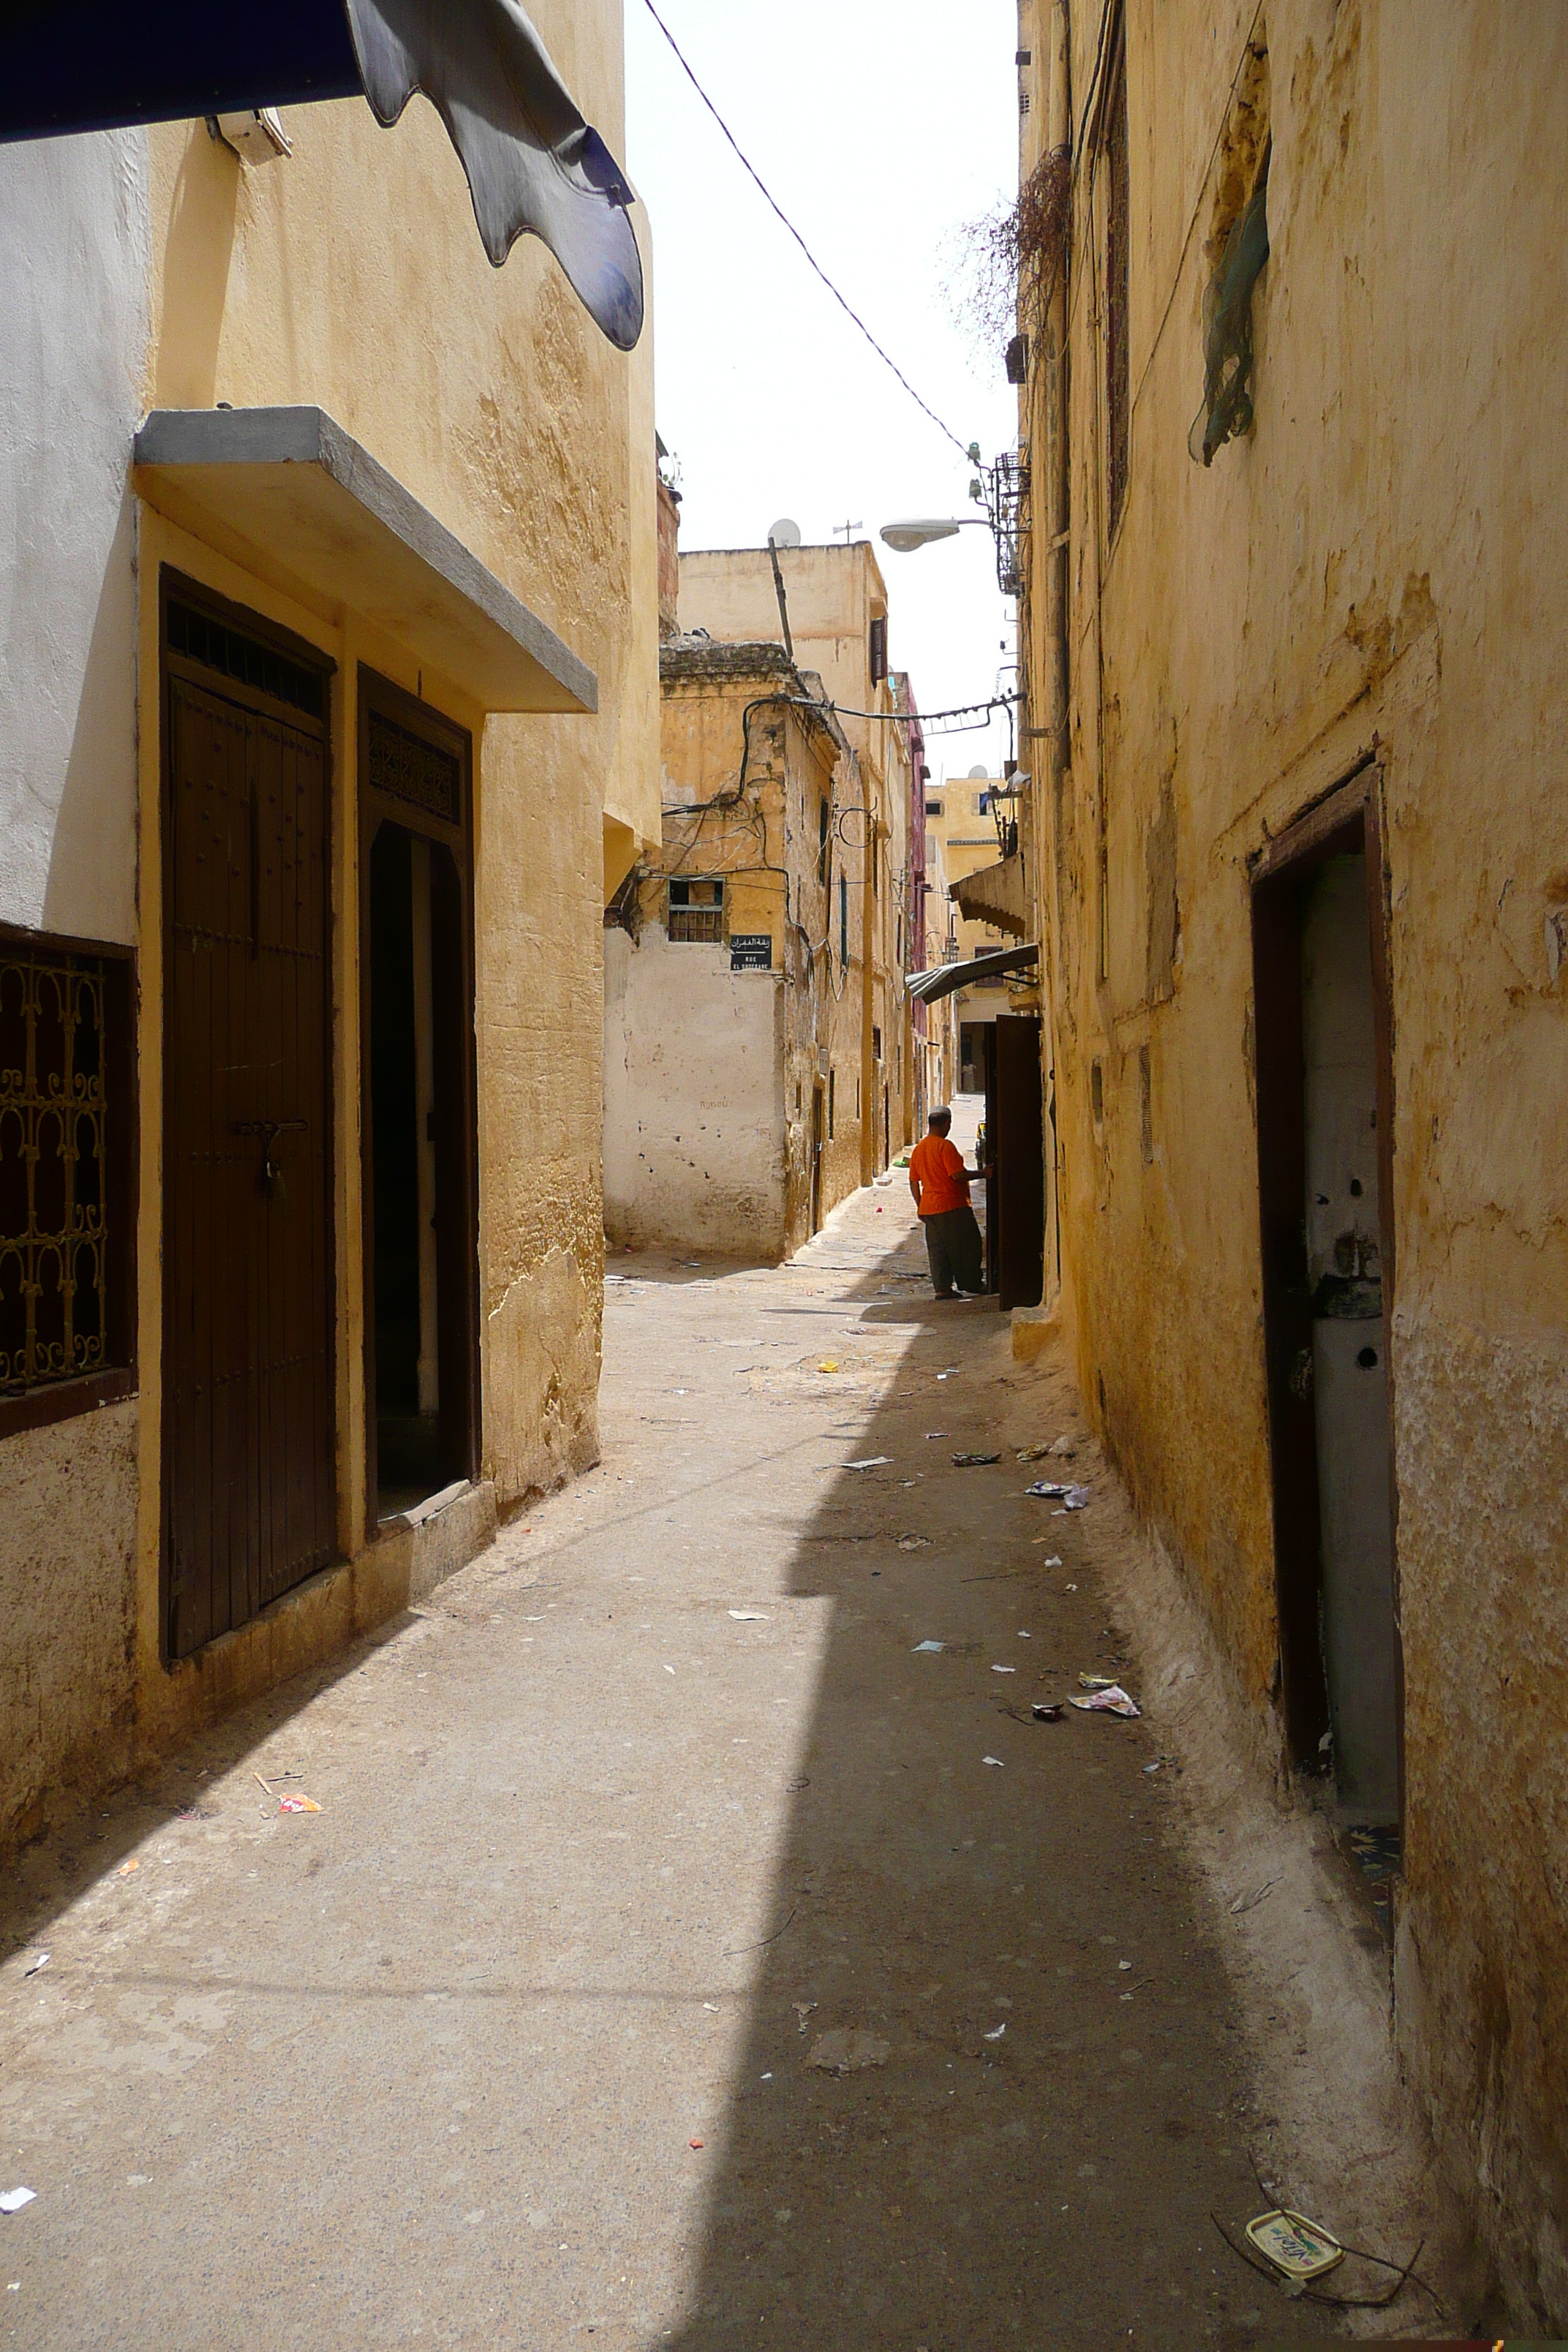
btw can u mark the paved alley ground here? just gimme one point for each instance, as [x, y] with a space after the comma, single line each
[682, 1954]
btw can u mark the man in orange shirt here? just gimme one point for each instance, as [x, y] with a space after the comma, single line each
[940, 1183]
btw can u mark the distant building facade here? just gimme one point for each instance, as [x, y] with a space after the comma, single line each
[759, 1044]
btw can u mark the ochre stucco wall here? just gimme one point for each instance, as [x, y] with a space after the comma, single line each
[1379, 568]
[349, 276]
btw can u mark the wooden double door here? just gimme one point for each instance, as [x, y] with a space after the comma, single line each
[250, 1505]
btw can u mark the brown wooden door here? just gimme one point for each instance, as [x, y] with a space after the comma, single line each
[248, 1382]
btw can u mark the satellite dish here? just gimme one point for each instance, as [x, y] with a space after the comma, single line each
[978, 775]
[783, 533]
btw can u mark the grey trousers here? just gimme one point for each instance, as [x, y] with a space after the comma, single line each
[952, 1247]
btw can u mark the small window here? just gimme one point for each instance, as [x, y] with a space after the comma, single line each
[832, 1091]
[696, 909]
[878, 648]
[933, 808]
[67, 1127]
[875, 1043]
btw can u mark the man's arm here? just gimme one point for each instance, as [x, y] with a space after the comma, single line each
[914, 1184]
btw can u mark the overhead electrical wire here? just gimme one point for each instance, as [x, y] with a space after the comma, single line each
[846, 307]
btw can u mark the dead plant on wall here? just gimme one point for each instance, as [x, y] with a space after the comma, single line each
[1007, 261]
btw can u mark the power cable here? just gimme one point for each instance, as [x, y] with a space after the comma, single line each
[772, 202]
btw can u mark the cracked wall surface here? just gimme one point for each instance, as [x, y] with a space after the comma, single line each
[1375, 571]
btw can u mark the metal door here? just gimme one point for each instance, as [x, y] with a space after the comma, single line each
[1018, 1150]
[250, 1502]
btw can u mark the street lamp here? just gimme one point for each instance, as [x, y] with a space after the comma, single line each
[903, 538]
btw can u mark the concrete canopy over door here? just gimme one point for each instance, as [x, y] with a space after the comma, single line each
[291, 496]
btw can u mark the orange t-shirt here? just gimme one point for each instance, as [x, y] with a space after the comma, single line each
[937, 1166]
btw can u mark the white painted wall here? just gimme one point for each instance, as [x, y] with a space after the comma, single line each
[694, 1077]
[74, 263]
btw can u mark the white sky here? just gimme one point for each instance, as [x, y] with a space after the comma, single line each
[880, 126]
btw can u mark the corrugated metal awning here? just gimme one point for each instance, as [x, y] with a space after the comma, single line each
[534, 167]
[996, 895]
[925, 987]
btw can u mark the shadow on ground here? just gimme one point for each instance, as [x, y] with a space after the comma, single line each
[1044, 2094]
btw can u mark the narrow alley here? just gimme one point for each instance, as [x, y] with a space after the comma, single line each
[685, 1951]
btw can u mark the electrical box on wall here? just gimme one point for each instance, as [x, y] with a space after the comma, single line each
[257, 137]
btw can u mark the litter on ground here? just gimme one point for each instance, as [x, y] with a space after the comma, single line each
[1004, 1670]
[872, 1462]
[932, 1646]
[997, 2032]
[914, 1543]
[12, 2200]
[298, 1805]
[1112, 1701]
[1298, 2248]
[34, 1966]
[749, 1617]
[973, 1461]
[996, 1760]
[1046, 1710]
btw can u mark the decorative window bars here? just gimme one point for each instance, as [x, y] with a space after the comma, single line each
[696, 909]
[62, 1021]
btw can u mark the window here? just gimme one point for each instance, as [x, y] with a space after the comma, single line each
[831, 1090]
[696, 909]
[981, 803]
[878, 648]
[67, 1125]
[933, 808]
[842, 922]
[875, 1043]
[821, 824]
[1117, 370]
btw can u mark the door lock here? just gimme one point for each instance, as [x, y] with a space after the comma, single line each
[273, 1187]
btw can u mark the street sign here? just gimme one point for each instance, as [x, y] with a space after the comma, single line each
[750, 952]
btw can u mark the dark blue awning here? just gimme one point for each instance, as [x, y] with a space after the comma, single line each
[535, 167]
[97, 65]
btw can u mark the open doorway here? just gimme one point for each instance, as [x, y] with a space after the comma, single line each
[421, 1262]
[816, 1159]
[1324, 1100]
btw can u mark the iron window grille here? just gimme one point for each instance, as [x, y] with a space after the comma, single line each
[695, 910]
[1009, 519]
[67, 1126]
[1118, 233]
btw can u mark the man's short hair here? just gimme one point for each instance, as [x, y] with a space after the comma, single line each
[941, 1117]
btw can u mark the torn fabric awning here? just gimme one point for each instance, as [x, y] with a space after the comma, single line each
[942, 979]
[534, 165]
